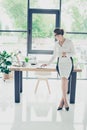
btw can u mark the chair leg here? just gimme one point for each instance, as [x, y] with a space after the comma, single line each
[48, 85]
[37, 85]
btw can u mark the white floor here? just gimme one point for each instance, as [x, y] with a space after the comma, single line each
[39, 111]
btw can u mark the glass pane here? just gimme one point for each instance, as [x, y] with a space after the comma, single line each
[80, 43]
[13, 14]
[42, 31]
[44, 4]
[74, 14]
[13, 41]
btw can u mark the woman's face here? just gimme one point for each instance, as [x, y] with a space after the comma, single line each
[58, 37]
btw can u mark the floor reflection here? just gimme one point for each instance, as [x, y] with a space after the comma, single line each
[39, 111]
[42, 116]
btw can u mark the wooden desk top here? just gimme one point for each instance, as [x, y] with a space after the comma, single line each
[34, 68]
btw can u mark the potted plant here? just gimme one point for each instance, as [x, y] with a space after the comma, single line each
[25, 62]
[26, 59]
[5, 62]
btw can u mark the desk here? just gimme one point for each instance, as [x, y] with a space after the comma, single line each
[18, 80]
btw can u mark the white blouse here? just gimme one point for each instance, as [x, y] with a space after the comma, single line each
[67, 47]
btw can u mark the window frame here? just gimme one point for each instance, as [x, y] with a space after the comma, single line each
[40, 11]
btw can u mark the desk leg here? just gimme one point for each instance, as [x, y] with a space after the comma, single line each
[73, 87]
[20, 81]
[69, 85]
[17, 86]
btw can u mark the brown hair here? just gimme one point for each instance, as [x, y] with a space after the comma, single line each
[59, 31]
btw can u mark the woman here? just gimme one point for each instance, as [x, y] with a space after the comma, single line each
[64, 50]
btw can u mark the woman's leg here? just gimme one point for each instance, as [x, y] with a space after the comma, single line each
[61, 103]
[64, 83]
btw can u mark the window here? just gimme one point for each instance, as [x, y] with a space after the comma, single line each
[74, 14]
[44, 4]
[41, 25]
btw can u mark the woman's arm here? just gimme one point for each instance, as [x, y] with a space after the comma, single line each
[53, 56]
[55, 53]
[71, 51]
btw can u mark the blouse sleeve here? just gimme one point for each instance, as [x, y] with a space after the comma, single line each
[71, 52]
[55, 53]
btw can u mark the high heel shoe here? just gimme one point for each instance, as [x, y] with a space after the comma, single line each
[67, 108]
[59, 108]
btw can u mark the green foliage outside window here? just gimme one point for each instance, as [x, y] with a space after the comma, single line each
[17, 12]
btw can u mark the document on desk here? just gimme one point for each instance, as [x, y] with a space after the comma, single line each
[46, 67]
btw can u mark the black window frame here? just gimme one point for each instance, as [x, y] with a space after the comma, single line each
[40, 11]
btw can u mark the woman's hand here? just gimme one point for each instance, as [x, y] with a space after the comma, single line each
[43, 65]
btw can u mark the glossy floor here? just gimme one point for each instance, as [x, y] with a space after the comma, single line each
[39, 111]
